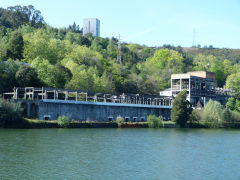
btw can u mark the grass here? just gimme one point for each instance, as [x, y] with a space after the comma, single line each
[168, 122]
[39, 121]
[75, 121]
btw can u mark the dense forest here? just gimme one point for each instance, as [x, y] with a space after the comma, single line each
[64, 58]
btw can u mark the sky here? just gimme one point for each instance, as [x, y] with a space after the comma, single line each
[149, 22]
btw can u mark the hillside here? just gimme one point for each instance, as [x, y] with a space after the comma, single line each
[64, 58]
[231, 54]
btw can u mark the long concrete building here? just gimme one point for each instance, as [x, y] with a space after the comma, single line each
[49, 104]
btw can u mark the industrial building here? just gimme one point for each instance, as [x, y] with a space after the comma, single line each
[201, 86]
[49, 103]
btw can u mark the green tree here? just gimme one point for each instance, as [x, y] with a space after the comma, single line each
[218, 67]
[231, 103]
[27, 77]
[213, 114]
[3, 50]
[112, 49]
[202, 62]
[62, 75]
[180, 109]
[166, 59]
[233, 82]
[46, 72]
[16, 46]
[7, 75]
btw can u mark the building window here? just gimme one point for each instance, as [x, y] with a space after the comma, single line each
[142, 119]
[135, 119]
[110, 119]
[46, 117]
[127, 119]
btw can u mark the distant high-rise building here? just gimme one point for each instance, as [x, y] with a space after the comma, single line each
[91, 25]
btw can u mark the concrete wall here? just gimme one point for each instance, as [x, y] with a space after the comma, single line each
[97, 111]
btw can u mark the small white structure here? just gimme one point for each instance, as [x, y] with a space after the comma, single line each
[166, 92]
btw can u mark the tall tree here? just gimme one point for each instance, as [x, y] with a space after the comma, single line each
[180, 109]
[15, 50]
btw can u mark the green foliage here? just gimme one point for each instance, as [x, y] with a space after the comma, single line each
[27, 77]
[63, 121]
[180, 109]
[195, 116]
[235, 116]
[10, 114]
[233, 82]
[15, 50]
[16, 16]
[64, 58]
[154, 122]
[213, 114]
[231, 103]
[119, 121]
[51, 75]
[7, 75]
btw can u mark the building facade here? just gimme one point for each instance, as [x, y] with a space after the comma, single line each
[201, 86]
[91, 25]
[49, 103]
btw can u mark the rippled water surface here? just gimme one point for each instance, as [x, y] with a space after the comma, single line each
[119, 154]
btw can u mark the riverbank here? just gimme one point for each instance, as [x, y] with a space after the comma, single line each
[38, 124]
[41, 124]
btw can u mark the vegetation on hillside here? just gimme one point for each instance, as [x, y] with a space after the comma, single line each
[64, 58]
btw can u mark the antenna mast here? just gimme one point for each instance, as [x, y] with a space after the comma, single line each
[194, 38]
[119, 55]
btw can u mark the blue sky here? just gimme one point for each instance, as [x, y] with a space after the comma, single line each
[149, 22]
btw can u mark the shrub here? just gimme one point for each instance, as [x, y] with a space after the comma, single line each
[195, 117]
[63, 121]
[10, 114]
[235, 116]
[154, 122]
[119, 121]
[213, 114]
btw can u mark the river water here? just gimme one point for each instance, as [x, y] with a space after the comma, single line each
[124, 154]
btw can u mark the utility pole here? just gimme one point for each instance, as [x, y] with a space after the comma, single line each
[119, 54]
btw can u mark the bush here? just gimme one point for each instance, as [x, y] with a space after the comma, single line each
[235, 116]
[10, 114]
[63, 121]
[213, 114]
[154, 122]
[195, 117]
[119, 121]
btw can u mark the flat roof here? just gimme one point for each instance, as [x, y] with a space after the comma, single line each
[199, 74]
